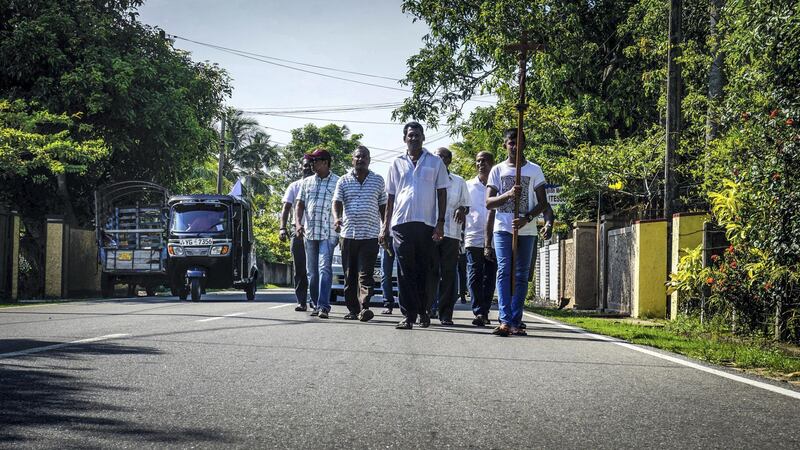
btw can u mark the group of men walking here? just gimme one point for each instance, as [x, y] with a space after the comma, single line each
[424, 217]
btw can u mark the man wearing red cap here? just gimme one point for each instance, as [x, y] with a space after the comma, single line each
[314, 205]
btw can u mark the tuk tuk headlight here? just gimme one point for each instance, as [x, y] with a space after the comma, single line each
[175, 250]
[219, 250]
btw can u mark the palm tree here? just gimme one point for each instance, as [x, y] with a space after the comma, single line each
[248, 151]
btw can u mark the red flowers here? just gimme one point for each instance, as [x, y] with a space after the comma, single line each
[789, 121]
[710, 280]
[715, 258]
[733, 264]
[776, 176]
[767, 286]
[773, 114]
[729, 249]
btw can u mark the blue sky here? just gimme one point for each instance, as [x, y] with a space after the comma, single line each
[373, 37]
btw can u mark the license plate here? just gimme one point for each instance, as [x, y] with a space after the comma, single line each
[197, 241]
[124, 256]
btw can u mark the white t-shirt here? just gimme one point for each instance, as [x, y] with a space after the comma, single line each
[457, 195]
[475, 229]
[291, 194]
[502, 179]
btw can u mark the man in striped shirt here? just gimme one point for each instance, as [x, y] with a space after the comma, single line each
[359, 202]
[314, 205]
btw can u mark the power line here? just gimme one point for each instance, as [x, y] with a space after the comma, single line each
[323, 119]
[219, 47]
[257, 57]
[245, 55]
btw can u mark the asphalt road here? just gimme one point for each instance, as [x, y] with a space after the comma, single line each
[134, 373]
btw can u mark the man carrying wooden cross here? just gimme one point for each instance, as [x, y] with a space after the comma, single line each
[501, 191]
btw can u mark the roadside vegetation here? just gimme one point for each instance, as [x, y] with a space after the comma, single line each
[711, 341]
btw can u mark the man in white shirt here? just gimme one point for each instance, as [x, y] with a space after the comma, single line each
[297, 248]
[481, 261]
[501, 192]
[445, 252]
[415, 214]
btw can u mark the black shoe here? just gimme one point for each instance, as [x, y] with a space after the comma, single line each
[387, 312]
[404, 324]
[424, 320]
[522, 325]
[350, 316]
[323, 314]
[479, 321]
[446, 322]
[314, 313]
[487, 321]
[300, 308]
[463, 300]
[365, 315]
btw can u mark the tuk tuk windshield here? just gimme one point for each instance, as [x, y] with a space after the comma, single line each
[199, 218]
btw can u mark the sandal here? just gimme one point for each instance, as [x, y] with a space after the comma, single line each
[501, 330]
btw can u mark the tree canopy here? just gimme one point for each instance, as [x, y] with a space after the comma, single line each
[150, 103]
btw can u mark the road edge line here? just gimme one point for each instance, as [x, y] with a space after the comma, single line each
[700, 367]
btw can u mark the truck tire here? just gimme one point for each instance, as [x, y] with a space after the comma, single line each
[195, 288]
[106, 286]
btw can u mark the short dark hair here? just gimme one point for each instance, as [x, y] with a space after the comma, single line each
[361, 147]
[489, 154]
[511, 132]
[449, 153]
[415, 125]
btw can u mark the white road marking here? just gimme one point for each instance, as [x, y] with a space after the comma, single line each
[66, 344]
[221, 317]
[281, 306]
[719, 373]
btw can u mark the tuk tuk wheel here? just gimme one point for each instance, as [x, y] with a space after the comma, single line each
[195, 288]
[250, 290]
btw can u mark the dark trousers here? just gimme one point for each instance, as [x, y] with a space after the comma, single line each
[462, 276]
[299, 264]
[482, 274]
[358, 263]
[413, 249]
[442, 278]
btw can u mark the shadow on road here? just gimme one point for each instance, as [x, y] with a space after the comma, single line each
[41, 404]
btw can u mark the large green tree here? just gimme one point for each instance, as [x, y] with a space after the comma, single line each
[151, 104]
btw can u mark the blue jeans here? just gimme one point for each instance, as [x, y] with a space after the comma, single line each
[319, 257]
[511, 308]
[482, 274]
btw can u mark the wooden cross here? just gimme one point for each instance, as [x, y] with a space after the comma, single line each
[525, 47]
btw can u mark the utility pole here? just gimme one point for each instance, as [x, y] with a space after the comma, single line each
[673, 123]
[673, 105]
[221, 154]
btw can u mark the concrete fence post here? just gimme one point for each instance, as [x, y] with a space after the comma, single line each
[56, 257]
[649, 269]
[687, 233]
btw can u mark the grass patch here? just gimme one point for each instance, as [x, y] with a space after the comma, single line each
[711, 343]
[271, 286]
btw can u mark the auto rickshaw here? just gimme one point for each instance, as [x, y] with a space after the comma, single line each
[210, 245]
